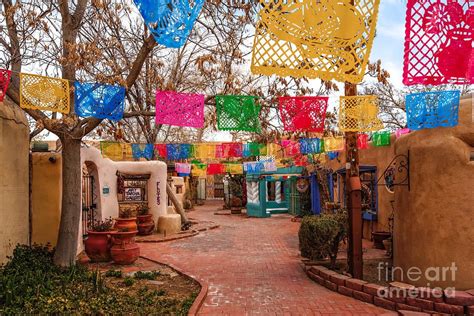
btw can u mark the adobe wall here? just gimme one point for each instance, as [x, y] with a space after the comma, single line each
[14, 178]
[434, 221]
[107, 170]
[46, 197]
[47, 190]
[379, 157]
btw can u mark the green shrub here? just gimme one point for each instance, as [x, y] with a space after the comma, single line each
[113, 273]
[31, 284]
[321, 235]
[146, 275]
[128, 281]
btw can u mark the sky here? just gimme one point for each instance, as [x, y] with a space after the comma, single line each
[388, 43]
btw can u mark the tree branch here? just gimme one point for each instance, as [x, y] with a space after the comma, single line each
[87, 125]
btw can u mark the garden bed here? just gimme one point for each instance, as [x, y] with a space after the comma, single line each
[31, 284]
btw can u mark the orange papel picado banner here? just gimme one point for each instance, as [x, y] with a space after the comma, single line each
[324, 39]
[359, 114]
[44, 93]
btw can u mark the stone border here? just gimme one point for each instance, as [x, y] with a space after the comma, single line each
[199, 300]
[397, 296]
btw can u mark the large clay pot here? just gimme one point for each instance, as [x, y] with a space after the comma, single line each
[97, 246]
[145, 224]
[126, 224]
[124, 249]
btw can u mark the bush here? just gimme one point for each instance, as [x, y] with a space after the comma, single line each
[31, 284]
[146, 275]
[113, 273]
[321, 235]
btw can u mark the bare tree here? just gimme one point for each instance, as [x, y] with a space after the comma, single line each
[106, 41]
[46, 35]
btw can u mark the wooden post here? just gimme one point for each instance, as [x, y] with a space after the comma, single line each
[353, 197]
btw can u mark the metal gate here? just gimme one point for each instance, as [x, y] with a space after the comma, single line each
[295, 199]
[88, 203]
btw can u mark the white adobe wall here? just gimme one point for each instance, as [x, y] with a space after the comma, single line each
[108, 204]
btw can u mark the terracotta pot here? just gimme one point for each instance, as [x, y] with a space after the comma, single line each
[97, 246]
[379, 237]
[126, 224]
[124, 249]
[146, 225]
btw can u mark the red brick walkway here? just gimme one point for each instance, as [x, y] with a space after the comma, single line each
[252, 267]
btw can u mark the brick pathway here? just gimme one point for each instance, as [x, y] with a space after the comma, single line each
[252, 266]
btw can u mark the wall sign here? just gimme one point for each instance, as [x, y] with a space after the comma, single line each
[105, 190]
[133, 194]
[158, 192]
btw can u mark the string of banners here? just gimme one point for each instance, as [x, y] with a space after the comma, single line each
[437, 50]
[284, 149]
[438, 40]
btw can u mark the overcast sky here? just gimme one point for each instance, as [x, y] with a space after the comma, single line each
[388, 44]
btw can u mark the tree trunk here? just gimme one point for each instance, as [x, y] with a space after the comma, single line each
[66, 248]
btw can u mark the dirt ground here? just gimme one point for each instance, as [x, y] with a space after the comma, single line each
[173, 284]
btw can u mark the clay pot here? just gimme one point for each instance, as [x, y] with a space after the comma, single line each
[126, 224]
[379, 237]
[124, 249]
[97, 246]
[146, 225]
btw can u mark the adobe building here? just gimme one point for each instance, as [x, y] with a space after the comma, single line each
[14, 178]
[433, 217]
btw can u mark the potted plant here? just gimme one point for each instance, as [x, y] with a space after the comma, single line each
[236, 205]
[124, 249]
[145, 221]
[98, 243]
[126, 221]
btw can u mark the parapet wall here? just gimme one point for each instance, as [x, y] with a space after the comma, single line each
[14, 178]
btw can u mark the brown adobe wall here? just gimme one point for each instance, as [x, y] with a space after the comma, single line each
[434, 221]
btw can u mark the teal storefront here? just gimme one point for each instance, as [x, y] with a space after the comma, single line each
[271, 192]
